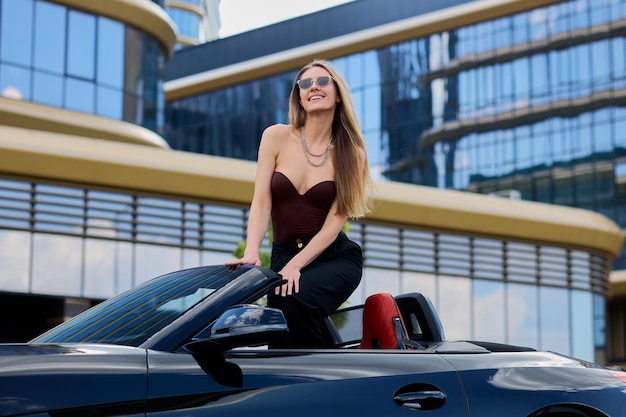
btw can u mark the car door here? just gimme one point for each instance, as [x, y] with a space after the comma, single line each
[303, 383]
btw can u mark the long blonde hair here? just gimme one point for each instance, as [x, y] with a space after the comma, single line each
[352, 175]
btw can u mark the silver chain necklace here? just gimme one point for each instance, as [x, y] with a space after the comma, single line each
[308, 152]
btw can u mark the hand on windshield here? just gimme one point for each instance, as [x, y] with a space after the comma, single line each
[245, 260]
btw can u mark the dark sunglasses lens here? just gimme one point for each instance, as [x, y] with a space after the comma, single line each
[305, 83]
[323, 81]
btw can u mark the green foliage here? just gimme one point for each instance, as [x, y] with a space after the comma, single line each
[263, 255]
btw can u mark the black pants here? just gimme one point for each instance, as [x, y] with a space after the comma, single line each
[325, 284]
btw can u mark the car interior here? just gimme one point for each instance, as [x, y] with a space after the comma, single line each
[384, 322]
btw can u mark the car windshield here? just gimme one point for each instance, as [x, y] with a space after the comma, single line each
[132, 317]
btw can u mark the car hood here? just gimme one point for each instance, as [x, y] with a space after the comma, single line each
[38, 378]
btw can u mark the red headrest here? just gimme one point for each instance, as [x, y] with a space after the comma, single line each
[383, 327]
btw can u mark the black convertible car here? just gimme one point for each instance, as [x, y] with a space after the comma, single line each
[195, 343]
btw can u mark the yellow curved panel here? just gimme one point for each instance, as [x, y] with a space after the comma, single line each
[142, 14]
[53, 119]
[77, 160]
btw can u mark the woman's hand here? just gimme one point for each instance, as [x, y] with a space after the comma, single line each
[245, 260]
[292, 286]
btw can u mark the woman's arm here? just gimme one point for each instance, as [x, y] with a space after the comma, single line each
[261, 206]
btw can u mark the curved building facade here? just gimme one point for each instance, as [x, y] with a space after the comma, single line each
[74, 55]
[198, 21]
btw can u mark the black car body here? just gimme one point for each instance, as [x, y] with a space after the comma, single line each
[192, 343]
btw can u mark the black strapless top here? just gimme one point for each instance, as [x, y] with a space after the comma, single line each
[295, 215]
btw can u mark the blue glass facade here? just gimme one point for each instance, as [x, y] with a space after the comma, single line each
[189, 23]
[529, 105]
[56, 56]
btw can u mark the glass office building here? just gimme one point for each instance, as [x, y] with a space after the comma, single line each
[67, 58]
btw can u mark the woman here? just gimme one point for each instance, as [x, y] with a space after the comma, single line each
[312, 176]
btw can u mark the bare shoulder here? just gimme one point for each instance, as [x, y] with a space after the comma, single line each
[276, 135]
[274, 138]
[277, 131]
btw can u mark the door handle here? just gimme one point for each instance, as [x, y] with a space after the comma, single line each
[421, 400]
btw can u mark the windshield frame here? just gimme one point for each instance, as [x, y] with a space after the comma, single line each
[139, 314]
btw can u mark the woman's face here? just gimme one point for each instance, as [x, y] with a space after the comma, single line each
[316, 97]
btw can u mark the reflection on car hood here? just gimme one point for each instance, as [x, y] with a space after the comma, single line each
[36, 378]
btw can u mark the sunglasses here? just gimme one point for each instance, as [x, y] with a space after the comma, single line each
[306, 83]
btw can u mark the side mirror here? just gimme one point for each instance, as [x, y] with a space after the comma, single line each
[243, 325]
[240, 325]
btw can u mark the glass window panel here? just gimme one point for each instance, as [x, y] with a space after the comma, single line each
[48, 89]
[520, 28]
[599, 320]
[598, 13]
[618, 58]
[110, 53]
[521, 77]
[602, 132]
[125, 259]
[582, 331]
[188, 23]
[417, 282]
[581, 66]
[488, 304]
[14, 258]
[79, 95]
[214, 258]
[100, 260]
[465, 94]
[358, 102]
[354, 76]
[16, 19]
[191, 258]
[57, 265]
[152, 261]
[109, 103]
[380, 280]
[133, 64]
[522, 315]
[371, 69]
[505, 82]
[601, 64]
[81, 44]
[132, 114]
[454, 307]
[50, 37]
[488, 83]
[539, 65]
[371, 109]
[15, 82]
[554, 320]
[538, 20]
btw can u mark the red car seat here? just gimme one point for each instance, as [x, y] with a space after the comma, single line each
[383, 327]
